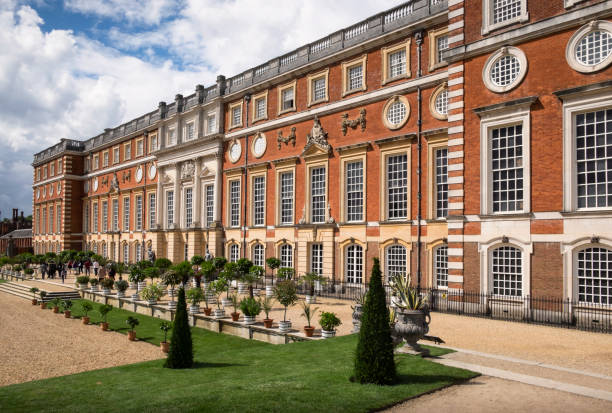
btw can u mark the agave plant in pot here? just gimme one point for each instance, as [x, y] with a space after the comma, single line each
[67, 305]
[121, 287]
[218, 287]
[42, 294]
[412, 315]
[308, 313]
[195, 295]
[329, 321]
[87, 307]
[104, 310]
[251, 309]
[286, 294]
[266, 305]
[34, 290]
[152, 293]
[234, 299]
[132, 322]
[82, 281]
[107, 285]
[165, 326]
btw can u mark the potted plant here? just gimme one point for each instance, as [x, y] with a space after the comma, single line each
[104, 310]
[219, 287]
[152, 293]
[207, 296]
[165, 327]
[121, 287]
[273, 263]
[286, 295]
[308, 313]
[285, 273]
[42, 294]
[251, 309]
[229, 273]
[208, 272]
[243, 267]
[132, 322]
[252, 277]
[412, 315]
[184, 271]
[30, 272]
[266, 306]
[195, 295]
[94, 284]
[235, 315]
[136, 277]
[171, 278]
[310, 279]
[55, 304]
[87, 307]
[329, 322]
[34, 290]
[151, 273]
[82, 281]
[196, 262]
[67, 304]
[107, 285]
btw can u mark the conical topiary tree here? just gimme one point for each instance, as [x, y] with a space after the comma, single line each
[180, 355]
[374, 357]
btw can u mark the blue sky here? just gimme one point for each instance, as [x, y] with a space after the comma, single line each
[70, 68]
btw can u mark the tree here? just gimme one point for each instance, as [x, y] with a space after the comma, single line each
[180, 355]
[184, 270]
[374, 356]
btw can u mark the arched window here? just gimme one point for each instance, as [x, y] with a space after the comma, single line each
[286, 256]
[440, 266]
[507, 271]
[594, 275]
[258, 255]
[137, 251]
[395, 261]
[126, 252]
[354, 264]
[234, 252]
[104, 250]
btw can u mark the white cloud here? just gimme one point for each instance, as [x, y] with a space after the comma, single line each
[140, 11]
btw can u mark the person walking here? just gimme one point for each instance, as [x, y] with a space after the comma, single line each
[43, 270]
[62, 272]
[87, 265]
[96, 267]
[101, 273]
[52, 269]
[112, 272]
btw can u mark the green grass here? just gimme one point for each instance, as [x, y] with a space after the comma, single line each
[231, 374]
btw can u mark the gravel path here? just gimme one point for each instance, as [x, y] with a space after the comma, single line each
[37, 344]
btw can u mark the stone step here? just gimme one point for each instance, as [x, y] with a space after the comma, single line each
[21, 290]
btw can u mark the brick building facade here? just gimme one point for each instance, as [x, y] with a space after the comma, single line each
[474, 134]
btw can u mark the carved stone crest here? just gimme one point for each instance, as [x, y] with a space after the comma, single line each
[361, 120]
[317, 137]
[187, 170]
[166, 179]
[115, 182]
[291, 138]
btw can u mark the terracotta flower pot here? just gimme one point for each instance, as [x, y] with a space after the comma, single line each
[165, 346]
[104, 326]
[132, 335]
[43, 305]
[56, 310]
[34, 301]
[207, 311]
[85, 320]
[67, 314]
[309, 331]
[235, 316]
[268, 322]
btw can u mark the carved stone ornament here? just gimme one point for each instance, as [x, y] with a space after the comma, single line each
[127, 176]
[166, 179]
[361, 120]
[115, 182]
[187, 170]
[317, 137]
[291, 138]
[303, 219]
[105, 181]
[330, 219]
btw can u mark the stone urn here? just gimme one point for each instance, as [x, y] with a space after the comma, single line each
[357, 312]
[411, 326]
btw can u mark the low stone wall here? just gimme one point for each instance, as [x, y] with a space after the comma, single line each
[222, 325]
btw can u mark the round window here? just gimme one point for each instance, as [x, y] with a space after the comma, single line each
[590, 48]
[438, 103]
[504, 69]
[396, 112]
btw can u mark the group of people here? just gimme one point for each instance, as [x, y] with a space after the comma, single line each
[50, 269]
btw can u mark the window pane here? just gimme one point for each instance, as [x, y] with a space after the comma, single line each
[354, 264]
[287, 198]
[188, 207]
[170, 207]
[316, 258]
[317, 194]
[235, 203]
[507, 168]
[397, 186]
[506, 265]
[505, 70]
[286, 256]
[397, 63]
[259, 192]
[594, 274]
[395, 261]
[210, 199]
[505, 10]
[258, 255]
[287, 98]
[594, 48]
[441, 266]
[355, 77]
[354, 191]
[318, 87]
[441, 183]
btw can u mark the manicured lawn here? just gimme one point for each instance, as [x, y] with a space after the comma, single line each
[232, 374]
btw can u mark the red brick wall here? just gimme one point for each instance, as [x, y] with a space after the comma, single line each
[471, 267]
[546, 270]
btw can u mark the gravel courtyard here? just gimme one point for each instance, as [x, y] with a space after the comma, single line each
[38, 344]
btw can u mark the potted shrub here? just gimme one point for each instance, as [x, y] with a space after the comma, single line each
[30, 272]
[217, 288]
[229, 273]
[55, 304]
[252, 277]
[196, 262]
[87, 307]
[251, 309]
[82, 281]
[285, 273]
[152, 293]
[67, 304]
[235, 315]
[171, 278]
[310, 279]
[104, 310]
[243, 267]
[208, 272]
[94, 284]
[184, 271]
[286, 295]
[34, 290]
[273, 263]
[308, 313]
[121, 287]
[329, 322]
[132, 322]
[142, 266]
[195, 295]
[165, 327]
[207, 296]
[136, 277]
[107, 285]
[42, 294]
[266, 306]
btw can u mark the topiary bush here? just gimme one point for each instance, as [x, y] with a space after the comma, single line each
[180, 355]
[374, 356]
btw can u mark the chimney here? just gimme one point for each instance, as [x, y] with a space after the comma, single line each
[178, 100]
[200, 93]
[221, 84]
[161, 109]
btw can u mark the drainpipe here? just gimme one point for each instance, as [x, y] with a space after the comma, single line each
[247, 99]
[419, 41]
[143, 217]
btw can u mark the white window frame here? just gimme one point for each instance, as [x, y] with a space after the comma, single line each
[94, 217]
[286, 247]
[280, 170]
[387, 259]
[104, 216]
[254, 210]
[433, 100]
[434, 268]
[140, 147]
[230, 252]
[211, 123]
[486, 277]
[575, 279]
[311, 79]
[170, 209]
[116, 155]
[263, 96]
[345, 160]
[188, 206]
[254, 255]
[514, 115]
[138, 224]
[392, 100]
[126, 213]
[115, 212]
[573, 105]
[233, 123]
[490, 63]
[191, 123]
[316, 260]
[152, 209]
[487, 17]
[346, 262]
[309, 192]
[231, 202]
[171, 138]
[404, 150]
[570, 50]
[346, 67]
[127, 151]
[209, 204]
[281, 89]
